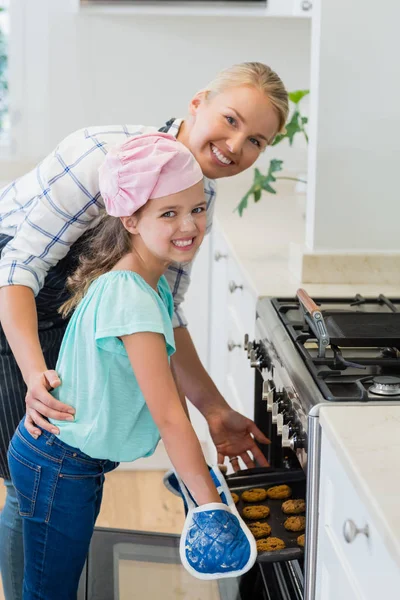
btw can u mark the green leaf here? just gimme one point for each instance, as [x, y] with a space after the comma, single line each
[257, 195]
[297, 95]
[304, 120]
[243, 203]
[268, 188]
[294, 126]
[278, 139]
[275, 165]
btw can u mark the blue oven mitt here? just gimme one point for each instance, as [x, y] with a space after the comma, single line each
[215, 541]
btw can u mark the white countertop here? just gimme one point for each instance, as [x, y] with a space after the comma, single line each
[367, 441]
[261, 238]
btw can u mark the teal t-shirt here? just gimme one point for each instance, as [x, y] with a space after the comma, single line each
[112, 420]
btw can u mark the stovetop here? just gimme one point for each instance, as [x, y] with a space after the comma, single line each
[370, 373]
[297, 377]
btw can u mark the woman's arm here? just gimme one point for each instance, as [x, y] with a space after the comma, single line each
[18, 317]
[149, 361]
[232, 433]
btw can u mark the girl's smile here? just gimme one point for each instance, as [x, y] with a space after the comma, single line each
[184, 244]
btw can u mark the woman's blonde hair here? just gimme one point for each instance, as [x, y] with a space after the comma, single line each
[105, 245]
[257, 75]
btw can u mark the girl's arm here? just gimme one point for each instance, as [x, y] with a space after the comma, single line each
[18, 317]
[149, 361]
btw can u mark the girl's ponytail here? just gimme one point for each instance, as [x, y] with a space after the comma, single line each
[107, 244]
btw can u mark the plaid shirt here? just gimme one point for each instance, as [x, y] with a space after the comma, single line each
[48, 209]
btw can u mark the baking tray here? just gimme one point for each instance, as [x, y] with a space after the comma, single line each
[265, 478]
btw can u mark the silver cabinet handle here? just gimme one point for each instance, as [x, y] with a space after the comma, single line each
[234, 286]
[232, 345]
[351, 531]
[306, 5]
[219, 255]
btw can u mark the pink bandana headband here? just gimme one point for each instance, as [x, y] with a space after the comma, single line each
[146, 166]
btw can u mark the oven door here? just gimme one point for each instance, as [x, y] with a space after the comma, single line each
[132, 565]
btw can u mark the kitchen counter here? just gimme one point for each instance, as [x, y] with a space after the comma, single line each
[367, 441]
[260, 240]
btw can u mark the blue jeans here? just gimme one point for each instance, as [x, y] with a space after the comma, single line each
[59, 492]
[11, 546]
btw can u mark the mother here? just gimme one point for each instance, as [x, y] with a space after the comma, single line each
[43, 216]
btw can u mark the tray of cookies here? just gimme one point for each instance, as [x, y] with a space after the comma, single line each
[272, 503]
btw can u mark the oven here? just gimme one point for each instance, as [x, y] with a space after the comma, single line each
[306, 353]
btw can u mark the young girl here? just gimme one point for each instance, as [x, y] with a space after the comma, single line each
[114, 362]
[42, 218]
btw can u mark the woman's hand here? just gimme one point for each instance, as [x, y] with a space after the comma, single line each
[235, 435]
[40, 403]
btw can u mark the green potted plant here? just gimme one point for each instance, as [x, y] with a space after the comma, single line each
[263, 183]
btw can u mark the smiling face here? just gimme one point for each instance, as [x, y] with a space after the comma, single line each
[171, 228]
[227, 131]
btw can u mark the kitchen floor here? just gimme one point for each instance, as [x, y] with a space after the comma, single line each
[135, 500]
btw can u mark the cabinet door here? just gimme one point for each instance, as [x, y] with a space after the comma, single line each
[334, 578]
[365, 562]
[218, 354]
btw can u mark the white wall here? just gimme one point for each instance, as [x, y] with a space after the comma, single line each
[355, 127]
[75, 70]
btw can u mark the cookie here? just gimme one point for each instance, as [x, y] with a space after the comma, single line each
[295, 523]
[293, 507]
[235, 497]
[301, 540]
[270, 544]
[279, 492]
[254, 495]
[255, 512]
[260, 530]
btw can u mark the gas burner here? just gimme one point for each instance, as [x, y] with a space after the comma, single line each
[385, 386]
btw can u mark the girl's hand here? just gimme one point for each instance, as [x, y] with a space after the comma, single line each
[40, 403]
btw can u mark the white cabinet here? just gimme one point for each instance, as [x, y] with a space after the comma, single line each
[358, 569]
[232, 315]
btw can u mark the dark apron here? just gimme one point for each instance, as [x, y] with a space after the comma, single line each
[51, 331]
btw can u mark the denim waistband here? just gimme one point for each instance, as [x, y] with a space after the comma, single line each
[59, 449]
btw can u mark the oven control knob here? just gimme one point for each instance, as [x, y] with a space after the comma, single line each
[268, 393]
[279, 424]
[274, 412]
[255, 361]
[248, 345]
[294, 442]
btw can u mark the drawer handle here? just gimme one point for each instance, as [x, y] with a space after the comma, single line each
[219, 255]
[232, 345]
[351, 531]
[234, 286]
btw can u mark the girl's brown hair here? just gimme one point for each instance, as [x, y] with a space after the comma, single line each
[257, 75]
[105, 246]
